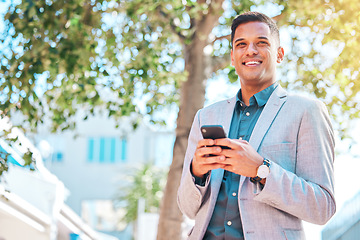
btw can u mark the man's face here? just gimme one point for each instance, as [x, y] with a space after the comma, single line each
[255, 53]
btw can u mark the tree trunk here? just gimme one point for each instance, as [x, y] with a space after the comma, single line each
[192, 98]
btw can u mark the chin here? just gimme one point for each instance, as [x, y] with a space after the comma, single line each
[251, 79]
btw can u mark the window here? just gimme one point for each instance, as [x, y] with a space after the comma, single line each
[9, 154]
[106, 150]
[9, 158]
[57, 157]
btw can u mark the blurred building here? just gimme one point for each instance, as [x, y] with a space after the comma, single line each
[94, 162]
[345, 225]
[32, 199]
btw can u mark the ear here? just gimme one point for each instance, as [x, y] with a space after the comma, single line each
[280, 54]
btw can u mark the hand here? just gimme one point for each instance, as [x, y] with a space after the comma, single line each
[241, 159]
[203, 162]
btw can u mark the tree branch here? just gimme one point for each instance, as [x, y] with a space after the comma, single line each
[221, 38]
[208, 21]
[220, 62]
[87, 14]
[278, 17]
[166, 17]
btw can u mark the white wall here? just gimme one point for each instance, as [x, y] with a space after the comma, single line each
[35, 189]
[90, 181]
[12, 228]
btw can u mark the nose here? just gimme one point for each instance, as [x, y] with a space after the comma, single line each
[252, 50]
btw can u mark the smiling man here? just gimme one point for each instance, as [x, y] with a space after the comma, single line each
[255, 52]
[277, 169]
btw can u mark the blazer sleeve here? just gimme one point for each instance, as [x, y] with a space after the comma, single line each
[190, 195]
[308, 191]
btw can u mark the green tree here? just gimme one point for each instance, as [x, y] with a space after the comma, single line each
[160, 53]
[331, 29]
[145, 182]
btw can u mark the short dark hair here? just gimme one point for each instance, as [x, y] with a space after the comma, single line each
[254, 17]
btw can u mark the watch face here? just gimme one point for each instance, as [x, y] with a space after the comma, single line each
[263, 171]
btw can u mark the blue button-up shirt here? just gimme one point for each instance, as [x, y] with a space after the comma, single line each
[225, 222]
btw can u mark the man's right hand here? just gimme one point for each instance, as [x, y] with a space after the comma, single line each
[207, 157]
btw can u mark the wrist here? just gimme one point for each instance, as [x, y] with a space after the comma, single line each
[262, 172]
[194, 172]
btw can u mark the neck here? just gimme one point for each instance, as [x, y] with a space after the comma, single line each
[248, 91]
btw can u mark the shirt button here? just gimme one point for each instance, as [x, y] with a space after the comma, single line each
[229, 223]
[234, 194]
[247, 114]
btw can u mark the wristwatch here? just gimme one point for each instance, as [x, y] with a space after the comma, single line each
[262, 171]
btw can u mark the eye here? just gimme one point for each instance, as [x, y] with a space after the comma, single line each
[241, 44]
[262, 43]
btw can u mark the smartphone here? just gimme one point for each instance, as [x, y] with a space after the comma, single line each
[213, 132]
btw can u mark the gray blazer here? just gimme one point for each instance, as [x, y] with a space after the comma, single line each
[295, 133]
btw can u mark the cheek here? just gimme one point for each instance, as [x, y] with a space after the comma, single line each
[238, 53]
[272, 56]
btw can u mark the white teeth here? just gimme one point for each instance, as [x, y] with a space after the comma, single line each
[252, 63]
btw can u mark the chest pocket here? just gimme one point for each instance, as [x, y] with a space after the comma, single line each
[283, 154]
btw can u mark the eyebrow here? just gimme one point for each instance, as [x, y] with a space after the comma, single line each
[242, 39]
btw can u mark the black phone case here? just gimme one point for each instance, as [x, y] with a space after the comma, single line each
[213, 131]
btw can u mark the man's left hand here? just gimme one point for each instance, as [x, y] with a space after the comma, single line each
[241, 158]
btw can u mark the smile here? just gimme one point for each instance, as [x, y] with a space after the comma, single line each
[252, 63]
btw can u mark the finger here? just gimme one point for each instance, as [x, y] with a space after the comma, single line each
[214, 166]
[215, 159]
[230, 169]
[231, 162]
[210, 159]
[240, 143]
[228, 153]
[205, 142]
[204, 152]
[224, 142]
[201, 169]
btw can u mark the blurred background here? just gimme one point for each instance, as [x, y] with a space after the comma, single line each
[97, 100]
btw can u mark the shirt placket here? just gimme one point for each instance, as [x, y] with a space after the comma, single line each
[232, 220]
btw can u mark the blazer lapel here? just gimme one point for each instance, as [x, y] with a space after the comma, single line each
[226, 118]
[271, 109]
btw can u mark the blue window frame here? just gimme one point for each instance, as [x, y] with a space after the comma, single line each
[102, 150]
[57, 157]
[91, 150]
[5, 155]
[107, 150]
[112, 149]
[10, 155]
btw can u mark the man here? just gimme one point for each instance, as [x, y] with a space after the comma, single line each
[279, 168]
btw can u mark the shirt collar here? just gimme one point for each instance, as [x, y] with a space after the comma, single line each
[261, 98]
